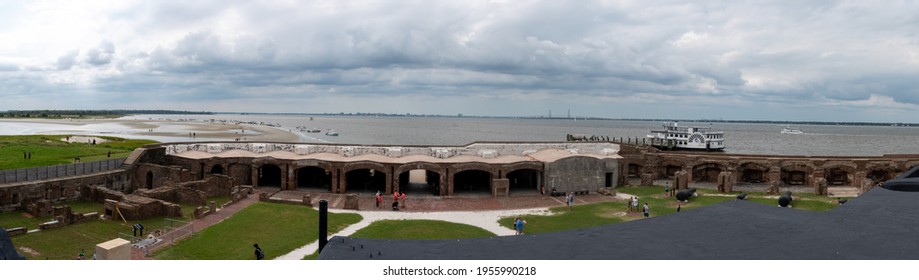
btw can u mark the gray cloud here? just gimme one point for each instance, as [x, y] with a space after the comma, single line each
[101, 54]
[67, 60]
[615, 59]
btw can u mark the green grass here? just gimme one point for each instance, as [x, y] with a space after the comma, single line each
[65, 243]
[277, 228]
[16, 219]
[314, 256]
[420, 229]
[582, 216]
[50, 150]
[23, 219]
[590, 215]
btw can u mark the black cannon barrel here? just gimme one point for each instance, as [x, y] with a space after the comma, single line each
[742, 196]
[785, 199]
[684, 195]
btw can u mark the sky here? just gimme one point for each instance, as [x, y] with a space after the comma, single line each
[732, 60]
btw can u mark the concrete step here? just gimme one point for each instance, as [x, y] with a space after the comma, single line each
[842, 191]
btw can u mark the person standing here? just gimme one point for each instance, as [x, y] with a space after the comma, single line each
[570, 200]
[518, 224]
[403, 200]
[666, 188]
[259, 254]
[646, 210]
[635, 203]
[379, 199]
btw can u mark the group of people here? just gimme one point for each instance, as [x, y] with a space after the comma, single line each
[396, 197]
[632, 204]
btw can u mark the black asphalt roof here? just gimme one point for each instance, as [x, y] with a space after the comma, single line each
[880, 224]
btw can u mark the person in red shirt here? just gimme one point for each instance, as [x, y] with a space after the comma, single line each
[403, 200]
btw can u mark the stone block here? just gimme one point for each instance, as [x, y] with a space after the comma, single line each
[308, 200]
[115, 249]
[16, 231]
[500, 187]
[394, 152]
[488, 153]
[50, 225]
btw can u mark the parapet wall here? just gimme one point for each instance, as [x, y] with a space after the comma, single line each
[485, 150]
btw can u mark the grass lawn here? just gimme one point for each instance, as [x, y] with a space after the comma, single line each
[50, 150]
[23, 219]
[277, 228]
[582, 216]
[596, 214]
[65, 243]
[420, 229]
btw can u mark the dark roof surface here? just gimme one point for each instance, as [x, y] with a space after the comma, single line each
[880, 224]
[7, 250]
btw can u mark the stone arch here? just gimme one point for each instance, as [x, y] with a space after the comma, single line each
[313, 178]
[460, 167]
[372, 181]
[707, 172]
[796, 173]
[668, 168]
[752, 172]
[472, 180]
[882, 173]
[420, 165]
[434, 176]
[839, 174]
[216, 169]
[270, 175]
[634, 170]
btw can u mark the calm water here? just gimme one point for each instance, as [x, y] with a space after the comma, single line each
[817, 140]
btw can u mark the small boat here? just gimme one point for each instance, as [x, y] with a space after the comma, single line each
[309, 130]
[792, 130]
[331, 133]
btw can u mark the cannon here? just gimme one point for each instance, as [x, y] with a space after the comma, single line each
[742, 196]
[785, 199]
[684, 195]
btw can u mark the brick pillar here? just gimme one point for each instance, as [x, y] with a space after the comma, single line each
[255, 171]
[389, 186]
[342, 182]
[449, 185]
[334, 183]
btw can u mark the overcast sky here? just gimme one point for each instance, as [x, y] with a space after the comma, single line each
[782, 60]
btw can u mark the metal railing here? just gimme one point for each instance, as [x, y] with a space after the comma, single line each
[58, 171]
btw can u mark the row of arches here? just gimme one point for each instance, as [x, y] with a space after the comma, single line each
[373, 178]
[757, 173]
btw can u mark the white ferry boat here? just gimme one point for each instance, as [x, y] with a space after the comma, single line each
[696, 138]
[791, 130]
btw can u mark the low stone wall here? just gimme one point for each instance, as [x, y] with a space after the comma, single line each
[212, 185]
[18, 196]
[175, 194]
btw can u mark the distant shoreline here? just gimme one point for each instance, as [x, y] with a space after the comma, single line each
[113, 114]
[158, 130]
